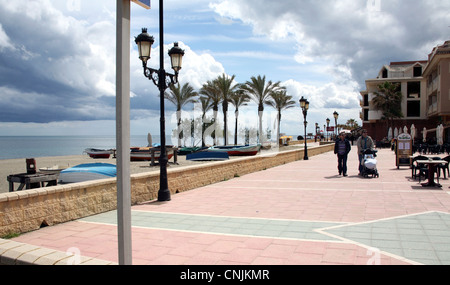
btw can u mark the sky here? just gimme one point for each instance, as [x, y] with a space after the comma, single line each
[57, 57]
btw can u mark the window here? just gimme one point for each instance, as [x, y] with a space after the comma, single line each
[414, 89]
[385, 73]
[366, 114]
[417, 71]
[413, 109]
[366, 100]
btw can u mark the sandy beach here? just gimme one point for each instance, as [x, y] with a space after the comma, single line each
[16, 166]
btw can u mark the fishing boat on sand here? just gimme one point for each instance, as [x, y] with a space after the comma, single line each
[145, 153]
[189, 150]
[87, 171]
[207, 156]
[98, 153]
[237, 150]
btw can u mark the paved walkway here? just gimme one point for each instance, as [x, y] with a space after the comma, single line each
[297, 213]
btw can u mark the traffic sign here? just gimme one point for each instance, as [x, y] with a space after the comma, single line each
[143, 3]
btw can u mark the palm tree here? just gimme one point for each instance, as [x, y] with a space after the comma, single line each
[260, 92]
[238, 99]
[280, 101]
[206, 106]
[352, 124]
[225, 87]
[180, 96]
[389, 101]
[210, 91]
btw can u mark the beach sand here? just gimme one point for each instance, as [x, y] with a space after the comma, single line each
[16, 166]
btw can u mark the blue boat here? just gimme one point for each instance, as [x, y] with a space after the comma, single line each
[207, 156]
[88, 171]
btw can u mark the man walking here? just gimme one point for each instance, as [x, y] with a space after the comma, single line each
[364, 142]
[342, 148]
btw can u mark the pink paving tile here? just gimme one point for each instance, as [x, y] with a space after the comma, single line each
[223, 246]
[339, 256]
[304, 259]
[279, 251]
[188, 249]
[263, 260]
[207, 258]
[242, 255]
[170, 260]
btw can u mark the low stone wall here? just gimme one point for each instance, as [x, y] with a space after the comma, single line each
[28, 210]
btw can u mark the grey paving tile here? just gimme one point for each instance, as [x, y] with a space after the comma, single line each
[222, 225]
[423, 238]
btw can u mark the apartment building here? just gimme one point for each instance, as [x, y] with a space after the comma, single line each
[425, 86]
[437, 80]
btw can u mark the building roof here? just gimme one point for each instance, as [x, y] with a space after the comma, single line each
[437, 51]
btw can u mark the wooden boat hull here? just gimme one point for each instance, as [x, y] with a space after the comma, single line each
[247, 150]
[98, 153]
[145, 154]
[188, 150]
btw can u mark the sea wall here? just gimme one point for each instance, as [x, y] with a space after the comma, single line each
[28, 210]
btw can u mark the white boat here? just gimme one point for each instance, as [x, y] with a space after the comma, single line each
[237, 150]
[50, 170]
[99, 153]
[87, 171]
[145, 153]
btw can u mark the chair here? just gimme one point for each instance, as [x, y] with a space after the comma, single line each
[444, 167]
[438, 167]
[422, 168]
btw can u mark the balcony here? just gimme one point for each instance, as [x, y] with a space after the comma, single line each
[433, 86]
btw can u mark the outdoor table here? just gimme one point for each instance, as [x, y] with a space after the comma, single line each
[30, 181]
[175, 157]
[431, 170]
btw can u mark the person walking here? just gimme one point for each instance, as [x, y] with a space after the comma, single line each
[342, 148]
[364, 142]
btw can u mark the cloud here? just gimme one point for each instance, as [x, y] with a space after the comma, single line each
[59, 64]
[347, 32]
[57, 58]
[343, 42]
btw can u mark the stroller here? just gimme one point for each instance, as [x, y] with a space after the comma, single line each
[369, 163]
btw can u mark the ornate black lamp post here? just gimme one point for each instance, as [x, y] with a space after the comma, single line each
[336, 116]
[162, 80]
[317, 130]
[328, 125]
[304, 104]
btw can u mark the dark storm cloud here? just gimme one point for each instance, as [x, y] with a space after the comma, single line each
[50, 69]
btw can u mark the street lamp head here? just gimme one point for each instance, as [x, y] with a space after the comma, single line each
[304, 104]
[144, 42]
[176, 57]
[335, 114]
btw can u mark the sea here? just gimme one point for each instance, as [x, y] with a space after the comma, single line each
[40, 146]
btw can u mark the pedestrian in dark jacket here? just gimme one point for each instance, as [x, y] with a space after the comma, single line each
[342, 148]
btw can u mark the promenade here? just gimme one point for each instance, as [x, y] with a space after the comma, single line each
[295, 214]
